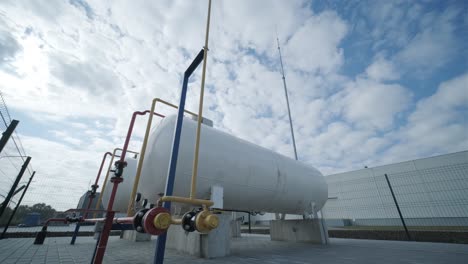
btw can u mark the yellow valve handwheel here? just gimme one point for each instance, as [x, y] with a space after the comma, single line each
[206, 221]
[162, 221]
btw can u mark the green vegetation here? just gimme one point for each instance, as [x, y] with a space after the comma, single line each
[45, 211]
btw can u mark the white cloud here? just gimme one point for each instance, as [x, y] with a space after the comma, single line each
[372, 104]
[439, 123]
[314, 47]
[382, 70]
[433, 46]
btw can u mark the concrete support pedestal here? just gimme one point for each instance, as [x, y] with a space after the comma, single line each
[215, 244]
[308, 230]
[236, 228]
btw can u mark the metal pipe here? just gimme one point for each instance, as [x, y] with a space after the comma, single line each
[161, 242]
[398, 208]
[127, 141]
[83, 210]
[107, 176]
[17, 205]
[193, 189]
[91, 197]
[287, 100]
[176, 221]
[13, 187]
[186, 200]
[143, 147]
[104, 237]
[240, 211]
[100, 169]
[15, 193]
[64, 220]
[19, 189]
[7, 134]
[116, 220]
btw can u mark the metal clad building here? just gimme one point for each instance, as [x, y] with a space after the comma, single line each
[430, 192]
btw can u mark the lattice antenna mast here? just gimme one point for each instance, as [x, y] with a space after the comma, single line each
[287, 98]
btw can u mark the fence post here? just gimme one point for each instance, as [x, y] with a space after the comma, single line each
[7, 134]
[15, 184]
[398, 208]
[17, 205]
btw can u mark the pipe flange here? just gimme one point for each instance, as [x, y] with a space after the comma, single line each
[156, 221]
[188, 221]
[205, 221]
[138, 220]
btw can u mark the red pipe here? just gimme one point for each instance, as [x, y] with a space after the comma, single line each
[91, 197]
[130, 131]
[101, 247]
[64, 220]
[83, 210]
[117, 220]
[100, 168]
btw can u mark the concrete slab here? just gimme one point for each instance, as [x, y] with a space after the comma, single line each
[248, 249]
[135, 236]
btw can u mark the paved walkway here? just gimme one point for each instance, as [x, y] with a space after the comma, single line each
[248, 249]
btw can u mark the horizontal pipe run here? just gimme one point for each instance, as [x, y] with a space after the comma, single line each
[173, 106]
[64, 220]
[117, 220]
[176, 221]
[185, 200]
[84, 210]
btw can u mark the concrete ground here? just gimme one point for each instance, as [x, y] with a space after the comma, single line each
[248, 249]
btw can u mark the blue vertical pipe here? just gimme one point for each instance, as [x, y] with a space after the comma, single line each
[75, 233]
[161, 242]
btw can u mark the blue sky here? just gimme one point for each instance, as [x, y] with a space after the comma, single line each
[370, 82]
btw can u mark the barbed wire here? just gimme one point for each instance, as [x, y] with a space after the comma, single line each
[6, 118]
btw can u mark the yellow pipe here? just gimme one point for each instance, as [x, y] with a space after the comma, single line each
[200, 109]
[143, 151]
[107, 177]
[185, 200]
[176, 221]
[105, 183]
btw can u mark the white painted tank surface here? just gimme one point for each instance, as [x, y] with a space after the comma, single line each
[254, 178]
[125, 188]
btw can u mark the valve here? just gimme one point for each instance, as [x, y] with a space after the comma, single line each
[119, 166]
[156, 221]
[188, 221]
[74, 219]
[94, 188]
[205, 221]
[138, 220]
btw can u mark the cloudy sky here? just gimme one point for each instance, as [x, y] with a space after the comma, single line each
[370, 82]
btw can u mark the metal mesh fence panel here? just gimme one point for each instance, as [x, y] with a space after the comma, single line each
[432, 195]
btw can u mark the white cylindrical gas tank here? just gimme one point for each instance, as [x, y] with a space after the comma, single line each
[254, 178]
[124, 190]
